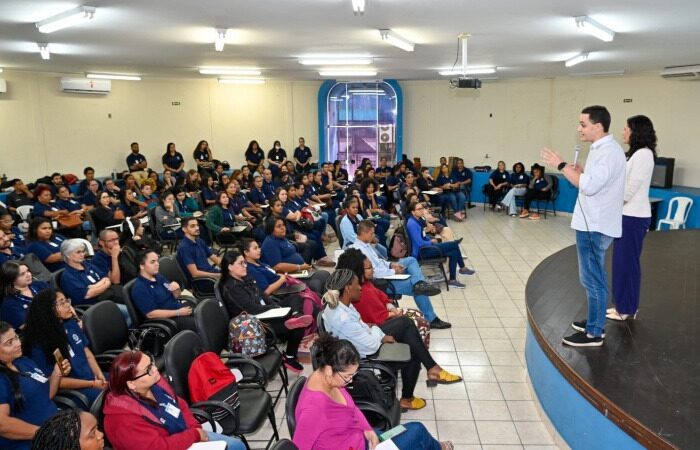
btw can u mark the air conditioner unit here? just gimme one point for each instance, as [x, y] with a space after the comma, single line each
[85, 86]
[3, 86]
[386, 134]
[682, 72]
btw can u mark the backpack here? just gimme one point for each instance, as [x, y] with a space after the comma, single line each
[209, 379]
[247, 335]
[367, 386]
[398, 247]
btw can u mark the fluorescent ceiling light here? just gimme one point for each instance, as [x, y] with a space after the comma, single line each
[66, 19]
[241, 81]
[394, 39]
[367, 91]
[335, 61]
[358, 7]
[590, 26]
[348, 73]
[44, 50]
[469, 71]
[228, 71]
[607, 73]
[107, 76]
[0, 69]
[578, 59]
[220, 39]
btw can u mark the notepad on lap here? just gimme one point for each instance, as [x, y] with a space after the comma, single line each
[398, 276]
[215, 445]
[275, 313]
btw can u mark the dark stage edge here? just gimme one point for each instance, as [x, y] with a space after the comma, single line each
[646, 378]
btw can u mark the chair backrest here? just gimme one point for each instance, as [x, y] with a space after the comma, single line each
[96, 411]
[88, 246]
[93, 227]
[137, 318]
[211, 321]
[290, 405]
[683, 206]
[179, 353]
[319, 322]
[37, 268]
[341, 239]
[171, 270]
[219, 298]
[105, 327]
[555, 187]
[285, 444]
[25, 211]
[56, 278]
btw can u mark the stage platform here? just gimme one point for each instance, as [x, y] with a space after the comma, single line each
[642, 388]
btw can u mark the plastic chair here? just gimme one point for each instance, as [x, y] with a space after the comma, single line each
[680, 215]
[25, 212]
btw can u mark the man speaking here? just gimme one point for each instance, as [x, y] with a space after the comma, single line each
[597, 216]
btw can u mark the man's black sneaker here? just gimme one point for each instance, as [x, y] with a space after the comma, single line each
[581, 326]
[438, 324]
[581, 339]
[423, 288]
[471, 205]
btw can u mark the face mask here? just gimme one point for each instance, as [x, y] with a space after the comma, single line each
[277, 147]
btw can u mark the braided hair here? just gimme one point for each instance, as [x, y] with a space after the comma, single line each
[353, 259]
[12, 375]
[62, 431]
[44, 328]
[335, 285]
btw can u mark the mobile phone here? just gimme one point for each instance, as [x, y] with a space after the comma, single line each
[59, 359]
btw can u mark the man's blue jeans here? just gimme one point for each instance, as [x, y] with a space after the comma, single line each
[591, 247]
[405, 287]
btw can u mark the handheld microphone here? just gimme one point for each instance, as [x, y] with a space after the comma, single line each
[577, 150]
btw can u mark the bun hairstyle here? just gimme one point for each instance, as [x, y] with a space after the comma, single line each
[335, 284]
[336, 353]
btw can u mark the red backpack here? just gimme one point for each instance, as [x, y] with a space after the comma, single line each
[210, 379]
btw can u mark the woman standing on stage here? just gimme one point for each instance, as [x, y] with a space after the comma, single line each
[639, 134]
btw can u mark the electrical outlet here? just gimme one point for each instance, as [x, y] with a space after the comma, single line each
[486, 156]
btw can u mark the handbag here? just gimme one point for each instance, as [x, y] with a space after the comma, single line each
[69, 221]
[119, 215]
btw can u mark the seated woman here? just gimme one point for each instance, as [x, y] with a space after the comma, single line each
[415, 227]
[192, 182]
[168, 217]
[18, 290]
[434, 226]
[69, 429]
[51, 325]
[132, 241]
[186, 204]
[148, 193]
[239, 203]
[105, 214]
[280, 253]
[143, 411]
[540, 188]
[45, 207]
[305, 246]
[497, 186]
[348, 226]
[518, 180]
[25, 392]
[45, 244]
[375, 306]
[342, 320]
[375, 208]
[222, 218]
[64, 201]
[425, 182]
[157, 298]
[240, 292]
[326, 415]
[82, 283]
[452, 195]
[130, 196]
[256, 194]
[208, 191]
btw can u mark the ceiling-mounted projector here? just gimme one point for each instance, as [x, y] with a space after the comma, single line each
[463, 82]
[466, 83]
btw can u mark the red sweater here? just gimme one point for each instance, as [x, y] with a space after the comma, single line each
[129, 425]
[372, 304]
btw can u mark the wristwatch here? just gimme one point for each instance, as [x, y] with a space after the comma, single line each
[561, 166]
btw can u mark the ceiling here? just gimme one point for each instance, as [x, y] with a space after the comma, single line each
[523, 38]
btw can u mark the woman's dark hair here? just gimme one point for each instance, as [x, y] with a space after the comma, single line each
[34, 225]
[8, 275]
[349, 201]
[246, 243]
[199, 145]
[127, 225]
[353, 259]
[365, 184]
[229, 258]
[336, 353]
[412, 206]
[164, 195]
[12, 375]
[124, 369]
[642, 134]
[43, 327]
[167, 147]
[519, 164]
[62, 431]
[276, 143]
[40, 189]
[218, 198]
[270, 224]
[250, 145]
[87, 169]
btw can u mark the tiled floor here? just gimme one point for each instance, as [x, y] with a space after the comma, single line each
[493, 408]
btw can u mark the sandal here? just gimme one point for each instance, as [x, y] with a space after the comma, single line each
[416, 403]
[444, 377]
[447, 445]
[524, 215]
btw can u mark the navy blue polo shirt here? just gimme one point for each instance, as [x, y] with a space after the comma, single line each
[277, 250]
[89, 198]
[392, 180]
[102, 263]
[519, 178]
[19, 240]
[302, 155]
[229, 215]
[442, 179]
[342, 174]
[254, 156]
[540, 183]
[462, 175]
[134, 158]
[386, 170]
[172, 161]
[499, 177]
[77, 343]
[83, 186]
[38, 407]
[263, 274]
[16, 253]
[168, 412]
[40, 208]
[294, 205]
[75, 283]
[68, 205]
[44, 249]
[257, 197]
[277, 155]
[151, 295]
[14, 307]
[197, 253]
[208, 194]
[201, 155]
[269, 189]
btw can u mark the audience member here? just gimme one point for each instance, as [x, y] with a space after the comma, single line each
[69, 429]
[84, 184]
[193, 254]
[8, 251]
[519, 181]
[7, 225]
[463, 177]
[105, 215]
[173, 161]
[45, 244]
[20, 195]
[540, 188]
[302, 156]
[276, 158]
[106, 258]
[203, 157]
[451, 192]
[167, 217]
[254, 155]
[18, 289]
[497, 186]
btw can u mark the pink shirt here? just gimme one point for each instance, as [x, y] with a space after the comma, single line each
[323, 424]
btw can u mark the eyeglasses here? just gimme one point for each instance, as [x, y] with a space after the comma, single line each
[64, 302]
[347, 379]
[149, 368]
[10, 342]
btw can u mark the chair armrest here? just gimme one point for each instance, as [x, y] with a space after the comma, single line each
[77, 397]
[379, 366]
[261, 375]
[202, 416]
[64, 402]
[217, 407]
[199, 282]
[376, 409]
[105, 360]
[159, 323]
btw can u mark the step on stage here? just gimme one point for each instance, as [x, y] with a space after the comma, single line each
[640, 389]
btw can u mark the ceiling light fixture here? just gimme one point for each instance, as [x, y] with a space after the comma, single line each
[228, 71]
[358, 7]
[590, 26]
[108, 76]
[348, 73]
[606, 73]
[241, 81]
[66, 19]
[0, 69]
[468, 71]
[394, 39]
[578, 59]
[220, 39]
[44, 50]
[335, 61]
